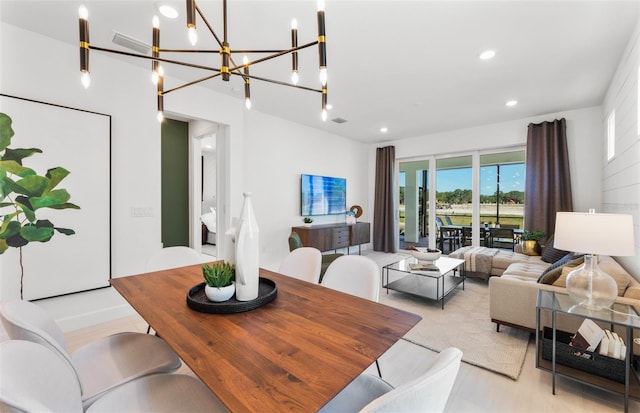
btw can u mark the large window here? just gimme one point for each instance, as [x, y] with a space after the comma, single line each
[501, 193]
[454, 189]
[502, 189]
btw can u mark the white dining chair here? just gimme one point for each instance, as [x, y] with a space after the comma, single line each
[99, 366]
[34, 378]
[427, 393]
[303, 263]
[355, 275]
[173, 257]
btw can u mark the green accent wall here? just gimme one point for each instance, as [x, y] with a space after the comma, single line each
[175, 183]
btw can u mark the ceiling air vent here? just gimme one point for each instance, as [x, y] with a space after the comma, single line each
[338, 120]
[131, 43]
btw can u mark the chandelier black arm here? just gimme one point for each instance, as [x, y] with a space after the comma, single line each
[217, 70]
[277, 54]
[206, 22]
[159, 59]
[263, 79]
[278, 82]
[253, 51]
[213, 33]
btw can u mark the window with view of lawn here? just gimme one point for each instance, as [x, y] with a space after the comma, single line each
[501, 193]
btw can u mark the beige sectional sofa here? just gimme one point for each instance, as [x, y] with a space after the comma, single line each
[513, 295]
[513, 286]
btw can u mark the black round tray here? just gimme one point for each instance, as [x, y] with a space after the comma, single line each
[197, 300]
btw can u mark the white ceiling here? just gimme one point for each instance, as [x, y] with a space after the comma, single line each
[411, 66]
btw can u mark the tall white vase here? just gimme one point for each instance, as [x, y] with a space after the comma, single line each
[247, 253]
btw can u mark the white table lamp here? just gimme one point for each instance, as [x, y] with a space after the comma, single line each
[591, 233]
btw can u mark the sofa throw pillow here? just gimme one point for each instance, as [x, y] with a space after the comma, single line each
[553, 271]
[618, 274]
[551, 254]
[632, 292]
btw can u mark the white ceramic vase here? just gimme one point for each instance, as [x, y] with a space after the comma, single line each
[247, 253]
[217, 295]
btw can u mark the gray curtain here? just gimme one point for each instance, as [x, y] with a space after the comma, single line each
[548, 181]
[383, 209]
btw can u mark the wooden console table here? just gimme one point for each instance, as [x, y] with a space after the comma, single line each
[330, 237]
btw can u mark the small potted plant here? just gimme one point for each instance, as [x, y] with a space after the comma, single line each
[219, 279]
[307, 221]
[531, 242]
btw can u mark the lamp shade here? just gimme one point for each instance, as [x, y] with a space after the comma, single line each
[591, 233]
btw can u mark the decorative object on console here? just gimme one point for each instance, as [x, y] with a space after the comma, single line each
[228, 66]
[357, 210]
[351, 217]
[591, 233]
[307, 221]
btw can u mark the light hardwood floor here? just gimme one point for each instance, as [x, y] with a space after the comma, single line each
[475, 389]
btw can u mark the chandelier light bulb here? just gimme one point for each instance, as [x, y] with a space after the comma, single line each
[83, 13]
[247, 103]
[193, 36]
[294, 24]
[85, 79]
[160, 116]
[323, 76]
[294, 77]
[155, 22]
[155, 75]
[324, 115]
[245, 60]
[320, 5]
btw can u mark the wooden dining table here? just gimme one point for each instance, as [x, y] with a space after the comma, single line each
[294, 353]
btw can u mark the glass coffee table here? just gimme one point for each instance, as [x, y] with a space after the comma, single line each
[433, 285]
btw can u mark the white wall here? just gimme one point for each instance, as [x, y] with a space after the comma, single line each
[621, 175]
[266, 158]
[276, 153]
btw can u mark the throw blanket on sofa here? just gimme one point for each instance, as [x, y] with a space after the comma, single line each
[476, 259]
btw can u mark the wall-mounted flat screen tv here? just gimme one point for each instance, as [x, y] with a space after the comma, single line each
[323, 195]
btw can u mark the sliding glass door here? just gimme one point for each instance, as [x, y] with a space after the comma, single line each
[414, 202]
[502, 189]
[497, 179]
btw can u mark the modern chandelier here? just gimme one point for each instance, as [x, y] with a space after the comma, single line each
[228, 66]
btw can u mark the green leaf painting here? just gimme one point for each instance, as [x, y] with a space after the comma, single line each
[23, 193]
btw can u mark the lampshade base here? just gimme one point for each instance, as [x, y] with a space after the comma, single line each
[590, 287]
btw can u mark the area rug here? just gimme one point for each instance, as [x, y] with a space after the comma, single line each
[464, 323]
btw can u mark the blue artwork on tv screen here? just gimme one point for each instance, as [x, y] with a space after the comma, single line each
[323, 195]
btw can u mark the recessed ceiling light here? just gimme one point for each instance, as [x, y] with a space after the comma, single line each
[511, 103]
[487, 54]
[384, 129]
[329, 106]
[167, 10]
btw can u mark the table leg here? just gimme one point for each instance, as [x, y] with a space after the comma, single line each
[629, 360]
[553, 353]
